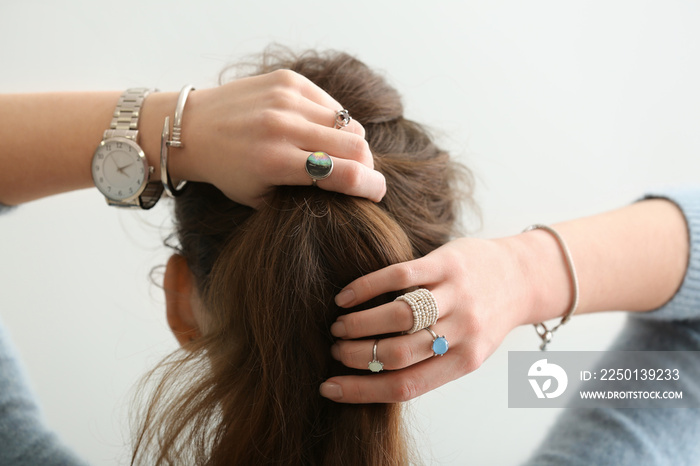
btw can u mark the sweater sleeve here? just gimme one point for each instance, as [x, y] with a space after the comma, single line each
[685, 304]
[24, 439]
[649, 436]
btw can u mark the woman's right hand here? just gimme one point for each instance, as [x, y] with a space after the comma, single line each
[483, 291]
[254, 133]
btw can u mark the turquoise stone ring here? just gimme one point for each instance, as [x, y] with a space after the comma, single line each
[440, 344]
[319, 166]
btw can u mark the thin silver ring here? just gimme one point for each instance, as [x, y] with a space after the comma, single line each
[342, 119]
[375, 365]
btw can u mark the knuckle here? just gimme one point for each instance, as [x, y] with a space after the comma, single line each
[452, 263]
[403, 275]
[283, 98]
[353, 176]
[405, 390]
[285, 78]
[349, 356]
[470, 362]
[358, 146]
[364, 288]
[363, 395]
[353, 325]
[273, 121]
[473, 324]
[354, 392]
[402, 355]
[402, 315]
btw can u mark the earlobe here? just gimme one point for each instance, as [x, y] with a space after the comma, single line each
[178, 285]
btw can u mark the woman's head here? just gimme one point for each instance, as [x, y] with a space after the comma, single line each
[254, 289]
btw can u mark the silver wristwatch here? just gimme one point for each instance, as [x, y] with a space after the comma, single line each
[119, 166]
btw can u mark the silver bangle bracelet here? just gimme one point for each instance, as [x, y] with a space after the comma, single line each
[166, 143]
[542, 330]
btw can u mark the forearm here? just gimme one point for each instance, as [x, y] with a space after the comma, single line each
[631, 259]
[49, 139]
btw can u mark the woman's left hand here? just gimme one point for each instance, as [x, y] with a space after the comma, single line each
[482, 292]
[252, 134]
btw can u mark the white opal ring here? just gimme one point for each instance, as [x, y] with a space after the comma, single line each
[375, 365]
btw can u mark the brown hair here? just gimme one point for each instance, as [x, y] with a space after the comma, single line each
[246, 392]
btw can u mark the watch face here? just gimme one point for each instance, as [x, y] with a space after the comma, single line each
[120, 169]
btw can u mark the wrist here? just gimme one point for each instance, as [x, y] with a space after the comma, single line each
[188, 162]
[548, 285]
[157, 106]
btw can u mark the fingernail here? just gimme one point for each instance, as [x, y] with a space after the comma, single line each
[345, 297]
[335, 352]
[331, 390]
[338, 329]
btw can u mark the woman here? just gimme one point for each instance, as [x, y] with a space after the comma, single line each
[250, 297]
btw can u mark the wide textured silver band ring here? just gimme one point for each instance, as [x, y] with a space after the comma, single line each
[375, 365]
[319, 166]
[440, 345]
[424, 308]
[342, 119]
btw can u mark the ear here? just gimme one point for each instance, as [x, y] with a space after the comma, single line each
[178, 285]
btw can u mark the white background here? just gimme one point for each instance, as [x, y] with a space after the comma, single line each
[561, 109]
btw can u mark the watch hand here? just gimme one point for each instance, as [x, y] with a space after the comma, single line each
[121, 169]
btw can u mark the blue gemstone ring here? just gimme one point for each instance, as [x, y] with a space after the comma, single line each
[319, 166]
[440, 345]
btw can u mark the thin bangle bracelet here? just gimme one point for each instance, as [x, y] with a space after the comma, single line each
[545, 333]
[165, 144]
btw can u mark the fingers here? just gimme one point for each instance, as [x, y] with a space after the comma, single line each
[316, 104]
[348, 176]
[418, 272]
[305, 87]
[296, 94]
[392, 317]
[395, 353]
[339, 143]
[353, 178]
[395, 386]
[325, 118]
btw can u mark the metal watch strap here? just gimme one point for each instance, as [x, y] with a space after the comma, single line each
[125, 123]
[148, 198]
